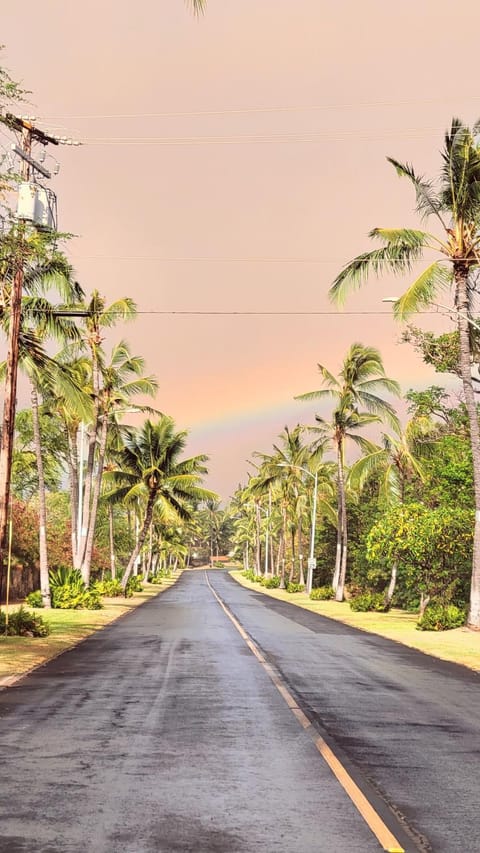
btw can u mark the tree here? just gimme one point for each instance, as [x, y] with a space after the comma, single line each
[433, 545]
[150, 467]
[396, 463]
[362, 378]
[453, 202]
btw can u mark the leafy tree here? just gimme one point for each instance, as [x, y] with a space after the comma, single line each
[395, 464]
[434, 547]
[454, 205]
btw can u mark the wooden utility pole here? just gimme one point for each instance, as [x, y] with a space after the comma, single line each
[29, 134]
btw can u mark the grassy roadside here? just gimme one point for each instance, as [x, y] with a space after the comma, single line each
[459, 645]
[18, 655]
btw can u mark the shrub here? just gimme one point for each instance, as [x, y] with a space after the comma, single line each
[22, 623]
[271, 583]
[34, 599]
[249, 575]
[441, 617]
[322, 593]
[70, 593]
[156, 578]
[110, 587]
[134, 584]
[295, 587]
[369, 601]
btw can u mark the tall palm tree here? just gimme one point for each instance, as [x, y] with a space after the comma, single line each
[121, 380]
[99, 316]
[453, 203]
[41, 320]
[361, 380]
[150, 467]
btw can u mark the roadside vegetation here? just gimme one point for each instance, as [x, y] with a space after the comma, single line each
[397, 519]
[99, 507]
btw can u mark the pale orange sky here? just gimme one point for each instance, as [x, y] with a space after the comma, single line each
[289, 109]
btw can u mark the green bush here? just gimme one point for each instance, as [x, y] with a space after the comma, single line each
[295, 587]
[22, 623]
[322, 593]
[156, 578]
[441, 617]
[271, 583]
[34, 599]
[249, 575]
[70, 593]
[134, 584]
[110, 587]
[369, 601]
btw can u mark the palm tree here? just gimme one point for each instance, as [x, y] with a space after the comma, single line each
[396, 463]
[41, 320]
[362, 378]
[453, 202]
[150, 466]
[121, 380]
[99, 316]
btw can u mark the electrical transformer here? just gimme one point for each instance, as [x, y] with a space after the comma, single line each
[37, 205]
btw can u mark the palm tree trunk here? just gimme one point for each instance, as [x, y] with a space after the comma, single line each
[111, 541]
[339, 593]
[42, 502]
[141, 538]
[73, 485]
[92, 444]
[462, 304]
[258, 567]
[338, 557]
[292, 566]
[97, 483]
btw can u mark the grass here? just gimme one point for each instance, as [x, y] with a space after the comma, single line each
[459, 645]
[19, 655]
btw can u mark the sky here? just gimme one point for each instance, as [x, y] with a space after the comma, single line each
[234, 163]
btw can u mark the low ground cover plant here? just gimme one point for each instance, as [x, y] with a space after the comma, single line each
[23, 623]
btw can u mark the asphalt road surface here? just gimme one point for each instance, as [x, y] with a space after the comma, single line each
[164, 733]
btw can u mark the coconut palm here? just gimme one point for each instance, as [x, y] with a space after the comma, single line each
[99, 316]
[41, 320]
[121, 380]
[361, 380]
[453, 204]
[150, 467]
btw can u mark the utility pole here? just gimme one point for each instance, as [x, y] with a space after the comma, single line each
[29, 135]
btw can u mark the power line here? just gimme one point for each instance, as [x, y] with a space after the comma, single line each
[262, 139]
[195, 313]
[255, 110]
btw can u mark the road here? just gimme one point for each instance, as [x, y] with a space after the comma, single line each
[163, 732]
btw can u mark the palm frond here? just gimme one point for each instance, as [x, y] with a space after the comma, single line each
[423, 291]
[428, 201]
[395, 257]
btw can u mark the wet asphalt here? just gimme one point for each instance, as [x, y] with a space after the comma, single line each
[163, 733]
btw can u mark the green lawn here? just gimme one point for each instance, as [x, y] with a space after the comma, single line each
[67, 628]
[459, 645]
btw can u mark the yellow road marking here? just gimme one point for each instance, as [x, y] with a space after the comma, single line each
[371, 817]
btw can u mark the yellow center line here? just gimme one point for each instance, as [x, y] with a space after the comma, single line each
[371, 817]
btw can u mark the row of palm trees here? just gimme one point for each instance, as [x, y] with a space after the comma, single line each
[276, 504]
[452, 203]
[88, 390]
